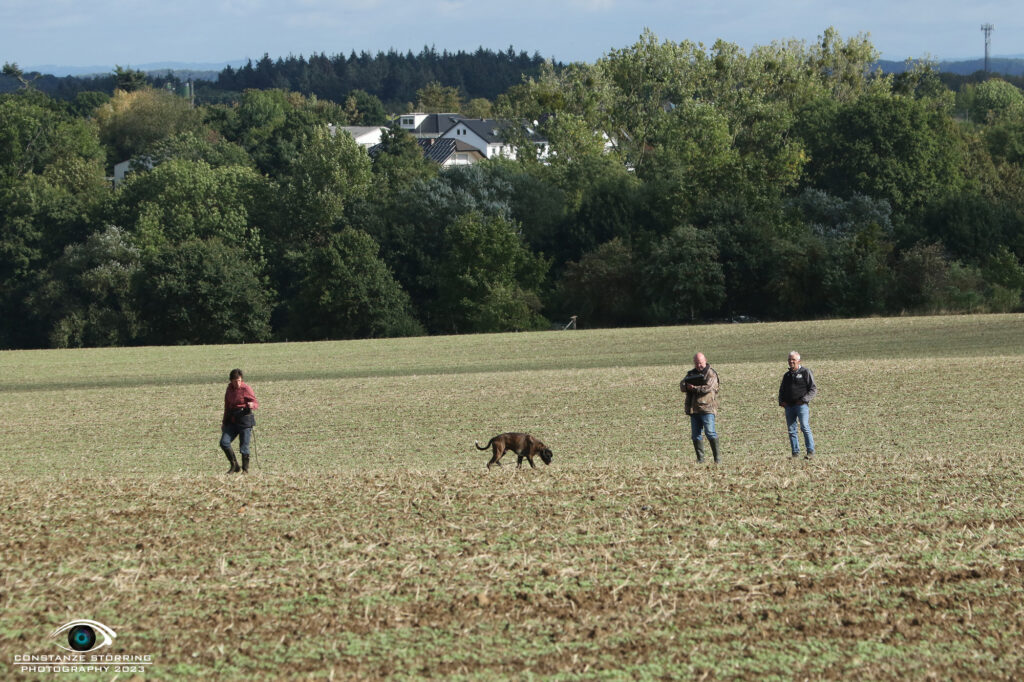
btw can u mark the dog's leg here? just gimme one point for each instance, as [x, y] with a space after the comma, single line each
[529, 457]
[496, 459]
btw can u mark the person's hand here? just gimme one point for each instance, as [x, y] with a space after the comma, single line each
[782, 404]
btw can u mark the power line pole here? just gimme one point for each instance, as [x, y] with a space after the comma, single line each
[987, 30]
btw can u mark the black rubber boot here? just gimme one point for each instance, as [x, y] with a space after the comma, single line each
[245, 462]
[713, 442]
[698, 446]
[232, 460]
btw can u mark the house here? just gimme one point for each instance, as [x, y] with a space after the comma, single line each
[447, 152]
[125, 168]
[485, 135]
[444, 152]
[365, 136]
[427, 125]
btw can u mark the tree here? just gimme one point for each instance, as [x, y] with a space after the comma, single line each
[181, 200]
[328, 174]
[682, 278]
[884, 147]
[602, 288]
[51, 185]
[12, 70]
[434, 98]
[129, 80]
[206, 146]
[133, 120]
[399, 163]
[202, 291]
[996, 100]
[364, 109]
[478, 107]
[486, 280]
[86, 298]
[345, 291]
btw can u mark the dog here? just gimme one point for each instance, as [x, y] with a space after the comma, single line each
[523, 444]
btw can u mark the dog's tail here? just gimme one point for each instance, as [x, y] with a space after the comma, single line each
[477, 443]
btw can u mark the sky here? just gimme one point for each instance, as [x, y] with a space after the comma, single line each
[133, 33]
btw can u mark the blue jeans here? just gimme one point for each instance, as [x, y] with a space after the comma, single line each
[799, 414]
[702, 422]
[228, 432]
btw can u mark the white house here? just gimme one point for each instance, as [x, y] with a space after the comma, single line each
[365, 136]
[427, 125]
[125, 168]
[485, 135]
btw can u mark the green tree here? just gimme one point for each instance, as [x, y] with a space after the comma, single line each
[399, 163]
[885, 147]
[434, 98]
[328, 174]
[478, 107]
[364, 109]
[682, 278]
[132, 121]
[85, 298]
[206, 146]
[51, 185]
[603, 288]
[486, 279]
[129, 80]
[202, 291]
[995, 100]
[345, 291]
[180, 200]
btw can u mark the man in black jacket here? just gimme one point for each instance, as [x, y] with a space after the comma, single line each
[795, 392]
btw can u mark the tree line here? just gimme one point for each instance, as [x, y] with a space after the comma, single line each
[391, 77]
[680, 184]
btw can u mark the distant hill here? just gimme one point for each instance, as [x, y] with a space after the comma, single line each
[1009, 66]
[184, 70]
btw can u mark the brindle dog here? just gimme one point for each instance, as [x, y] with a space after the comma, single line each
[523, 444]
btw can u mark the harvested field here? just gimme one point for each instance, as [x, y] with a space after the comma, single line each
[371, 542]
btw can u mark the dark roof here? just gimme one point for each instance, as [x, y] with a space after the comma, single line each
[487, 128]
[492, 130]
[436, 149]
[434, 124]
[441, 149]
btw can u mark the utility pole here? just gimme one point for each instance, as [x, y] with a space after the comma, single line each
[987, 30]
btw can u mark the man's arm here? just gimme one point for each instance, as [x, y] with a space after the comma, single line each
[710, 383]
[812, 388]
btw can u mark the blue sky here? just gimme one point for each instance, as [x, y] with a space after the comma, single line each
[138, 32]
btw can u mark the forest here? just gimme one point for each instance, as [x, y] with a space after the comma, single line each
[682, 184]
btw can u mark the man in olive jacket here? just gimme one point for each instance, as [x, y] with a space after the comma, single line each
[701, 388]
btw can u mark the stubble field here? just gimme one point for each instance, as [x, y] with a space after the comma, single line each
[370, 541]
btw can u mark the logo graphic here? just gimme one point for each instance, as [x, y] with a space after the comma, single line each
[82, 636]
[84, 639]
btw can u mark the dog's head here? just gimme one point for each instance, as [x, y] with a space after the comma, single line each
[545, 454]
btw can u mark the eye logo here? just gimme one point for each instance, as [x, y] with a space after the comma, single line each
[82, 635]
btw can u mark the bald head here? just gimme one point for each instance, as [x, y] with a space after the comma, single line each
[700, 362]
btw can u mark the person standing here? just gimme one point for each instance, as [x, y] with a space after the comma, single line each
[238, 420]
[795, 392]
[701, 388]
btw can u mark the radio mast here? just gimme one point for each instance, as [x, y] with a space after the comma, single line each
[987, 30]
